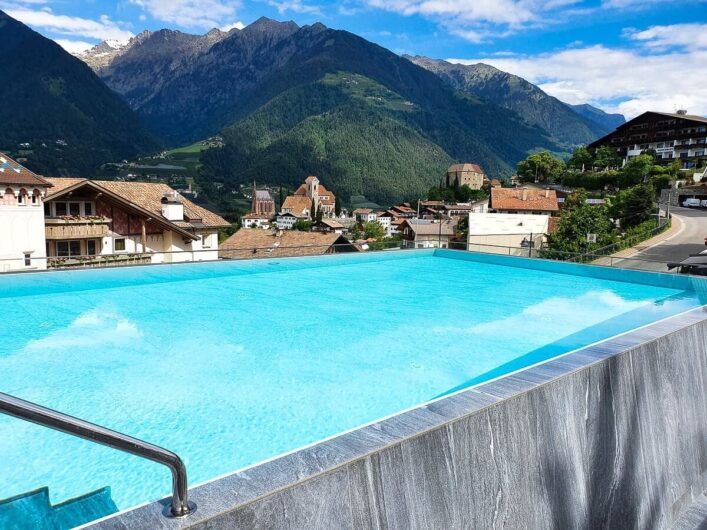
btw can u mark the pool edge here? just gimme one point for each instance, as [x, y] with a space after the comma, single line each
[250, 492]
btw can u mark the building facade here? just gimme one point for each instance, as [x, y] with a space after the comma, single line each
[671, 135]
[324, 200]
[91, 221]
[262, 203]
[426, 233]
[255, 220]
[465, 175]
[509, 234]
[22, 195]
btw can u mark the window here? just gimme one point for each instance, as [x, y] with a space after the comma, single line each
[75, 209]
[91, 247]
[28, 259]
[66, 249]
[87, 208]
[205, 241]
[47, 209]
[35, 198]
[22, 198]
[60, 209]
[119, 245]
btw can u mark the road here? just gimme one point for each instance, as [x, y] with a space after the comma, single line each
[690, 239]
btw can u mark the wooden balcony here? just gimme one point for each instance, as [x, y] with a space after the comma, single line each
[75, 227]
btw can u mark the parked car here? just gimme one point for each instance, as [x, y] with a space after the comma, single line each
[703, 203]
[691, 203]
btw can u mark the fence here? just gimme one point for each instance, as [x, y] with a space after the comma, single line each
[600, 256]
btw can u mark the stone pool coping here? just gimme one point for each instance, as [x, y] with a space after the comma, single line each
[232, 492]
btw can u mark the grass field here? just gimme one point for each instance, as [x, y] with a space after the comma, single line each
[193, 149]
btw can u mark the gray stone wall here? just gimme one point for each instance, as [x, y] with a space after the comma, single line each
[611, 436]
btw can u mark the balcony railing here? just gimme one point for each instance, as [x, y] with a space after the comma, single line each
[75, 227]
[109, 260]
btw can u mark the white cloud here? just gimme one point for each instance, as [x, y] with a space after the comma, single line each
[690, 36]
[296, 6]
[615, 79]
[235, 25]
[191, 13]
[74, 46]
[639, 4]
[481, 20]
[45, 19]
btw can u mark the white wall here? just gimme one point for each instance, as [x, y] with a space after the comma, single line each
[22, 230]
[167, 247]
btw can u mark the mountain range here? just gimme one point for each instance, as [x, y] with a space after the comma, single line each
[569, 124]
[292, 101]
[71, 121]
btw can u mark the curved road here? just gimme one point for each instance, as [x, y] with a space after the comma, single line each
[689, 239]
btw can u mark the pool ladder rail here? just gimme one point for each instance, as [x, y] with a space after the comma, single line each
[52, 419]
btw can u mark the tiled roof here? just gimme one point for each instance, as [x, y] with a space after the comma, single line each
[145, 195]
[256, 216]
[263, 195]
[362, 211]
[426, 227]
[297, 204]
[693, 117]
[331, 223]
[12, 172]
[274, 244]
[465, 167]
[513, 199]
[331, 197]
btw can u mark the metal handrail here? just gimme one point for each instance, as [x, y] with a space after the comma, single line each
[26, 410]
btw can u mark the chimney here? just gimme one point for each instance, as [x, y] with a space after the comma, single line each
[524, 195]
[547, 193]
[172, 207]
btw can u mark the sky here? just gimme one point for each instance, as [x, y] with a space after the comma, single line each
[624, 56]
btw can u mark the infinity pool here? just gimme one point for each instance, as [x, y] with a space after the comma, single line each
[232, 363]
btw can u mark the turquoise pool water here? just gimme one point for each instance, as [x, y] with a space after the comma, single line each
[231, 363]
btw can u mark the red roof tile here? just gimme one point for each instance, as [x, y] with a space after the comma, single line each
[12, 172]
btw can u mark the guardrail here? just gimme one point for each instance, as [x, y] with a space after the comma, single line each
[52, 419]
[40, 264]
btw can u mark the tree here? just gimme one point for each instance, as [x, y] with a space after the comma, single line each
[466, 194]
[313, 210]
[606, 157]
[540, 166]
[576, 221]
[337, 206]
[302, 225]
[581, 159]
[635, 171]
[633, 206]
[373, 230]
[441, 194]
